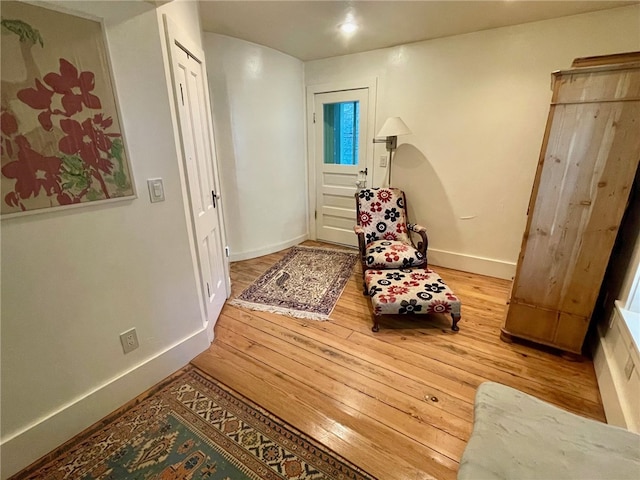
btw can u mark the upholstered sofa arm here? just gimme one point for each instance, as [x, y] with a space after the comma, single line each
[420, 230]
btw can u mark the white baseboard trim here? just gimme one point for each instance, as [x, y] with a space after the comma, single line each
[25, 446]
[276, 247]
[469, 263]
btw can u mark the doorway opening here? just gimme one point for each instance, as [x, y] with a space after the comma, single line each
[340, 158]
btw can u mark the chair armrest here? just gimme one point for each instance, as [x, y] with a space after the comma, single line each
[420, 230]
[362, 247]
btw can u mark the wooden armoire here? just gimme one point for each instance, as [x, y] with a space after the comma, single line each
[590, 153]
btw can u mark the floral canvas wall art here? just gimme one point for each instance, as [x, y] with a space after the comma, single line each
[60, 137]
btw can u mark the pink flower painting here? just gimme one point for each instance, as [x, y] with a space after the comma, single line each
[60, 140]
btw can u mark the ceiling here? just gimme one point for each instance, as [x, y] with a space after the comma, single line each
[308, 29]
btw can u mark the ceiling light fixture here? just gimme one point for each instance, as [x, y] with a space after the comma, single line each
[349, 24]
[348, 27]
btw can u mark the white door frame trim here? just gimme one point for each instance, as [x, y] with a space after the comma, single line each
[371, 84]
[174, 35]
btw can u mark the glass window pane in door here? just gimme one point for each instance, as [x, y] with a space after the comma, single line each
[341, 131]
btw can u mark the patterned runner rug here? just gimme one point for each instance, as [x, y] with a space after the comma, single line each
[306, 283]
[195, 428]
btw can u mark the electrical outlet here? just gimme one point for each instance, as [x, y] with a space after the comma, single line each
[383, 160]
[129, 340]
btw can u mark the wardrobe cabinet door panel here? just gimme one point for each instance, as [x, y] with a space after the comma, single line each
[600, 204]
[588, 171]
[531, 322]
[570, 332]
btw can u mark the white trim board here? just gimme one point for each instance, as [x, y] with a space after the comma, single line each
[604, 369]
[276, 247]
[616, 351]
[24, 447]
[469, 263]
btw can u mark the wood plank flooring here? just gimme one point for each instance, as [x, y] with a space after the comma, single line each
[398, 403]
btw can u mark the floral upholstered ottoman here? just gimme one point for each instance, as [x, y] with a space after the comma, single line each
[410, 291]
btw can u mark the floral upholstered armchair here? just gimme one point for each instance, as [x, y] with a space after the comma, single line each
[383, 231]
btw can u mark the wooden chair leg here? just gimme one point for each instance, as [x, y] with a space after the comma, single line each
[456, 319]
[375, 327]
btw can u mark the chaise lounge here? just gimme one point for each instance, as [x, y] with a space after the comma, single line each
[394, 269]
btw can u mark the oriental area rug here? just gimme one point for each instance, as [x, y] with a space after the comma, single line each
[306, 283]
[194, 428]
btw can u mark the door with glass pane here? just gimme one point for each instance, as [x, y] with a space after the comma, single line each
[340, 161]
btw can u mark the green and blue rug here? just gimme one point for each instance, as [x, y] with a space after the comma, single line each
[194, 428]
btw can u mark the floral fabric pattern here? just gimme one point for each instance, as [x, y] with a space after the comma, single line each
[382, 214]
[392, 254]
[410, 291]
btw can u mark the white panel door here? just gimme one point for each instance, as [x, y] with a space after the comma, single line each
[340, 161]
[198, 153]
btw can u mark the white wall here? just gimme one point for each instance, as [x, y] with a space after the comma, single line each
[258, 107]
[72, 281]
[477, 105]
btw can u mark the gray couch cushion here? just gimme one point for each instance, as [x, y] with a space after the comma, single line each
[517, 436]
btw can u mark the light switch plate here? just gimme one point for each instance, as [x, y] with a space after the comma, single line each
[156, 190]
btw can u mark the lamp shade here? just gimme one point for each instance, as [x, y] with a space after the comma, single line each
[393, 127]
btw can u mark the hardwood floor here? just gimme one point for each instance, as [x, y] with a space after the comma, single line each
[398, 403]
